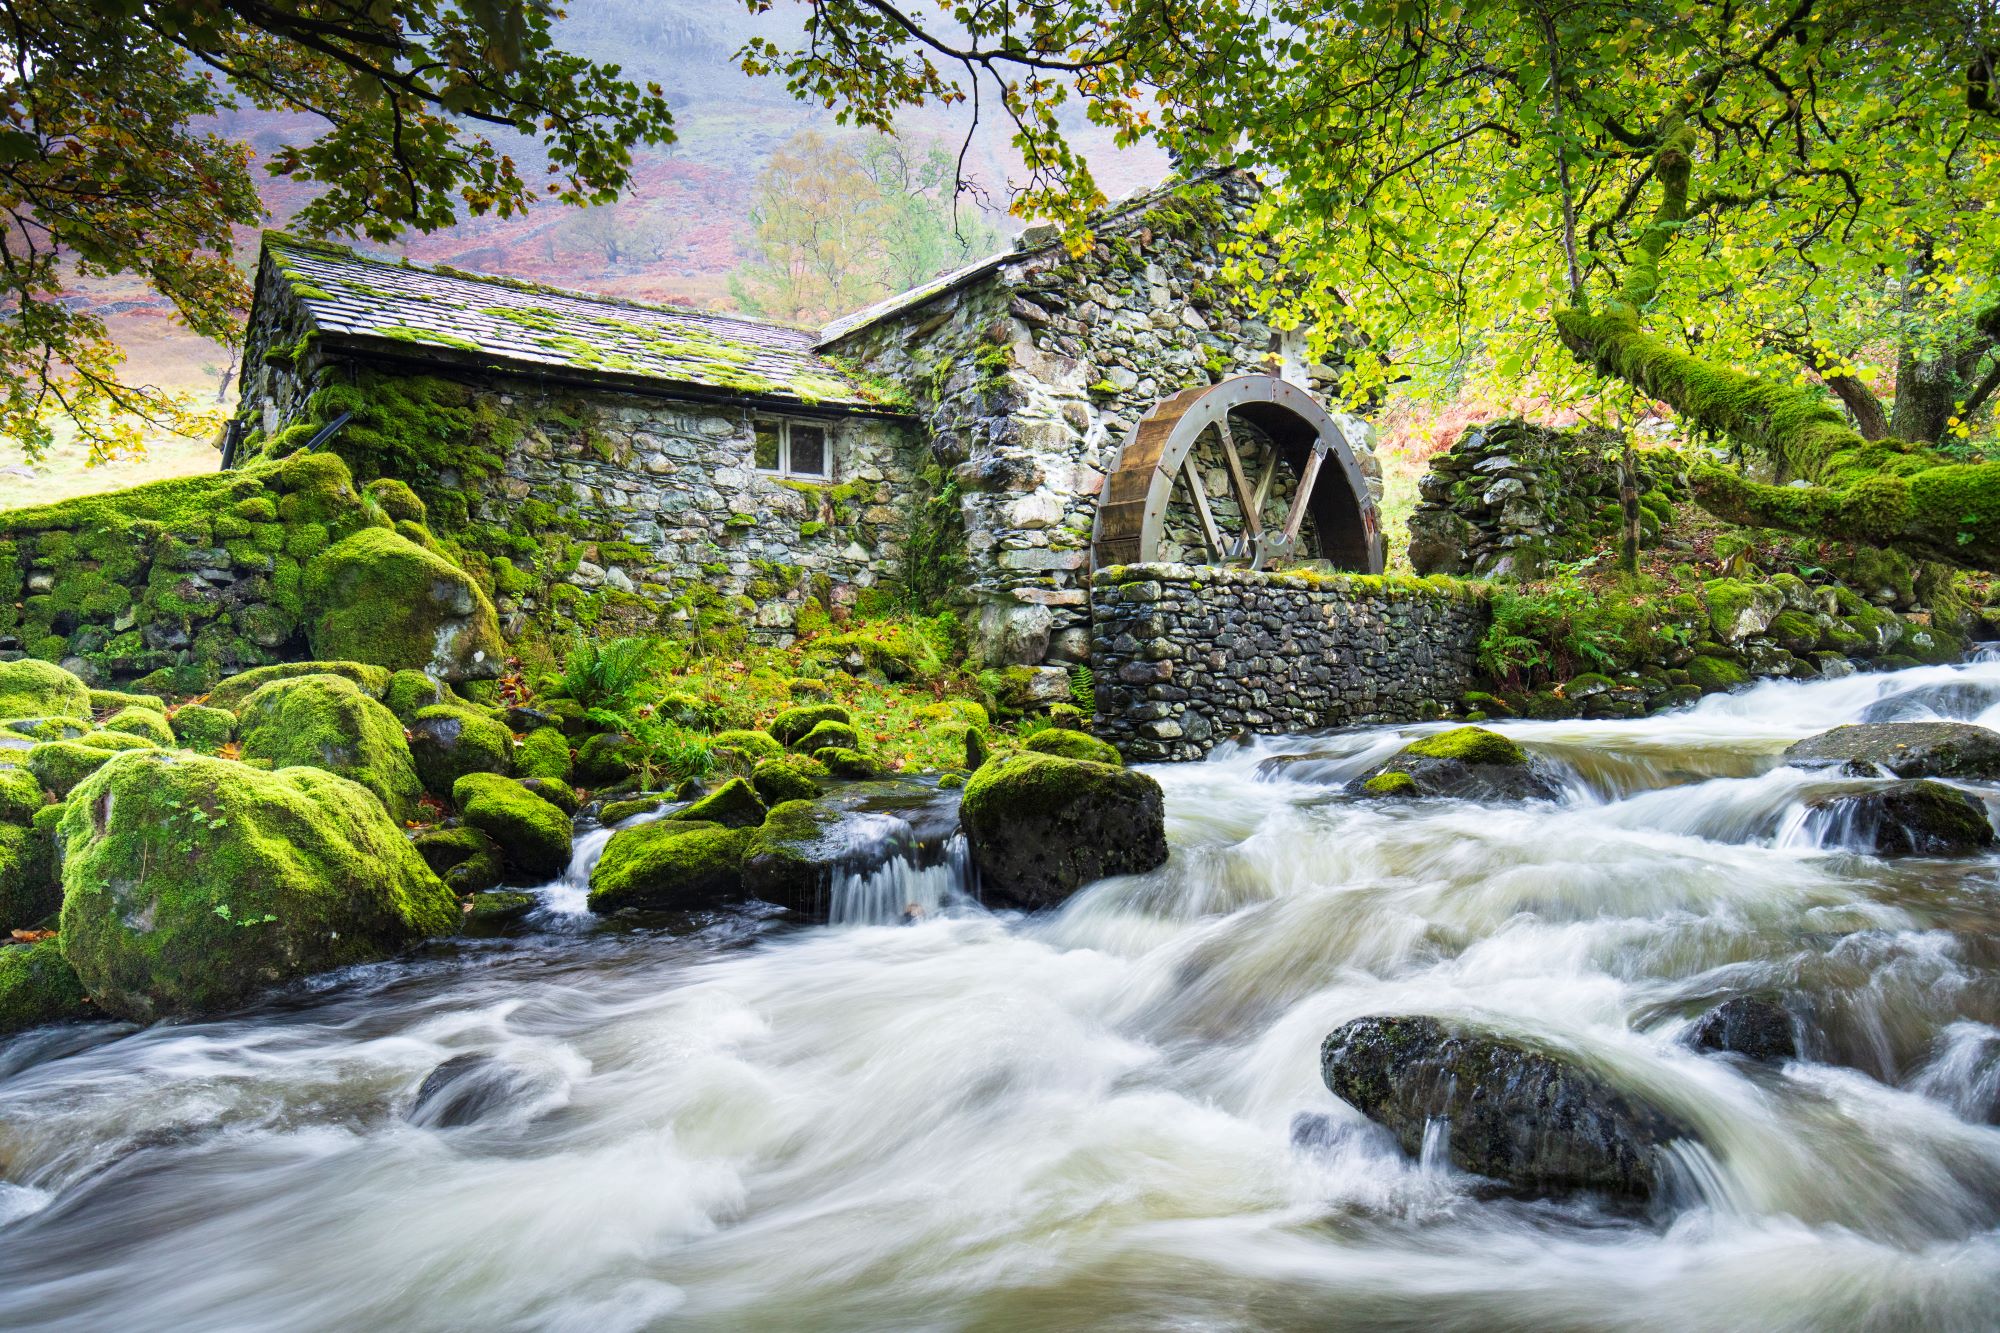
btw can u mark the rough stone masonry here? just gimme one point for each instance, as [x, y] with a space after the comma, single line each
[1188, 656]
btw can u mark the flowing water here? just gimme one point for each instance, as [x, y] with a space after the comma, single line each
[1109, 1116]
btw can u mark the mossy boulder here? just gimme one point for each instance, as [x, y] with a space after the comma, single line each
[669, 865]
[543, 753]
[790, 859]
[534, 836]
[143, 723]
[447, 742]
[1073, 745]
[1912, 818]
[605, 759]
[327, 722]
[379, 597]
[613, 813]
[20, 796]
[1738, 610]
[828, 735]
[1538, 1120]
[37, 986]
[1795, 631]
[203, 728]
[842, 762]
[192, 883]
[752, 745]
[794, 856]
[462, 856]
[555, 791]
[31, 688]
[29, 891]
[1041, 827]
[60, 765]
[1464, 763]
[497, 911]
[411, 691]
[1715, 675]
[735, 804]
[110, 701]
[791, 725]
[896, 651]
[233, 692]
[1903, 750]
[783, 778]
[395, 499]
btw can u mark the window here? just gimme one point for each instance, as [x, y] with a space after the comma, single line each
[792, 449]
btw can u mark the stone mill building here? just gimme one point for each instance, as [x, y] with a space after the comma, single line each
[982, 441]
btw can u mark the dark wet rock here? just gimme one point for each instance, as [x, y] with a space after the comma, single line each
[1903, 750]
[1917, 818]
[1754, 1028]
[856, 829]
[495, 912]
[1321, 766]
[1465, 763]
[462, 856]
[1041, 827]
[466, 1089]
[670, 866]
[1961, 700]
[1535, 1119]
[735, 804]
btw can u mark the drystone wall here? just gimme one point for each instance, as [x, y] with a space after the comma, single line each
[1030, 375]
[610, 508]
[1188, 656]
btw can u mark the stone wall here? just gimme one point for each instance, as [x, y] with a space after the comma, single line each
[1030, 374]
[574, 504]
[1188, 656]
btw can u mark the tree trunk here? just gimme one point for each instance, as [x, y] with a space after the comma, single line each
[1628, 501]
[1927, 392]
[1862, 404]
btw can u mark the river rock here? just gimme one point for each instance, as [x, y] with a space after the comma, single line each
[326, 721]
[533, 835]
[792, 859]
[1954, 699]
[1535, 1119]
[1041, 826]
[1913, 818]
[447, 742]
[191, 883]
[1466, 763]
[669, 866]
[37, 986]
[380, 598]
[1903, 750]
[467, 1089]
[1754, 1028]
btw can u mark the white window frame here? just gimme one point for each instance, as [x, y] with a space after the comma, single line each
[784, 469]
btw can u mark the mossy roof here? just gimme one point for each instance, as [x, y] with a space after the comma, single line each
[361, 304]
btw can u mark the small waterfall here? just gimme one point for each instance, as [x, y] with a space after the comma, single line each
[568, 895]
[1435, 1158]
[902, 890]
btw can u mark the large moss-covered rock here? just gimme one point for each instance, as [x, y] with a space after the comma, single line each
[462, 856]
[543, 753]
[143, 723]
[203, 728]
[38, 986]
[1466, 763]
[1041, 827]
[1715, 675]
[233, 692]
[327, 722]
[735, 804]
[785, 778]
[30, 871]
[1538, 1120]
[379, 597]
[110, 701]
[534, 836]
[752, 745]
[669, 865]
[447, 742]
[792, 858]
[192, 883]
[792, 725]
[1073, 745]
[20, 796]
[60, 765]
[606, 758]
[30, 688]
[1904, 750]
[1913, 818]
[411, 691]
[555, 791]
[828, 734]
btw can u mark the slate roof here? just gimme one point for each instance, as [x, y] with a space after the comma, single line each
[365, 304]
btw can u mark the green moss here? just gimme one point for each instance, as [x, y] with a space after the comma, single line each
[1390, 784]
[60, 766]
[606, 759]
[555, 791]
[29, 688]
[395, 500]
[203, 728]
[1796, 630]
[786, 778]
[544, 753]
[1469, 745]
[407, 334]
[37, 986]
[20, 796]
[1714, 674]
[448, 741]
[613, 813]
[114, 740]
[735, 804]
[534, 836]
[1072, 745]
[669, 865]
[463, 857]
[842, 762]
[752, 745]
[793, 723]
[110, 701]
[191, 884]
[142, 722]
[378, 597]
[826, 733]
[231, 693]
[327, 722]
[411, 691]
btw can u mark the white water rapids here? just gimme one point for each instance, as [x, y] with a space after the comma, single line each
[1107, 1117]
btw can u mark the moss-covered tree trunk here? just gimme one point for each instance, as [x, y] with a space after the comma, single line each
[1885, 492]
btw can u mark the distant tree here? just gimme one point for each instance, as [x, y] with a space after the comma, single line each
[620, 232]
[103, 170]
[839, 222]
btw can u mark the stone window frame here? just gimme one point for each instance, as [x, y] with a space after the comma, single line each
[785, 426]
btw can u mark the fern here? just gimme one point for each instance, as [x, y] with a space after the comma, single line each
[1083, 688]
[606, 677]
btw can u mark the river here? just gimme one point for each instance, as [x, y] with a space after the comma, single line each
[1106, 1117]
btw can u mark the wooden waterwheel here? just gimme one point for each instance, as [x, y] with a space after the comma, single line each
[1272, 437]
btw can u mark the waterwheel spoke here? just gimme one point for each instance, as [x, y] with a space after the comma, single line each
[1296, 515]
[1209, 532]
[1253, 523]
